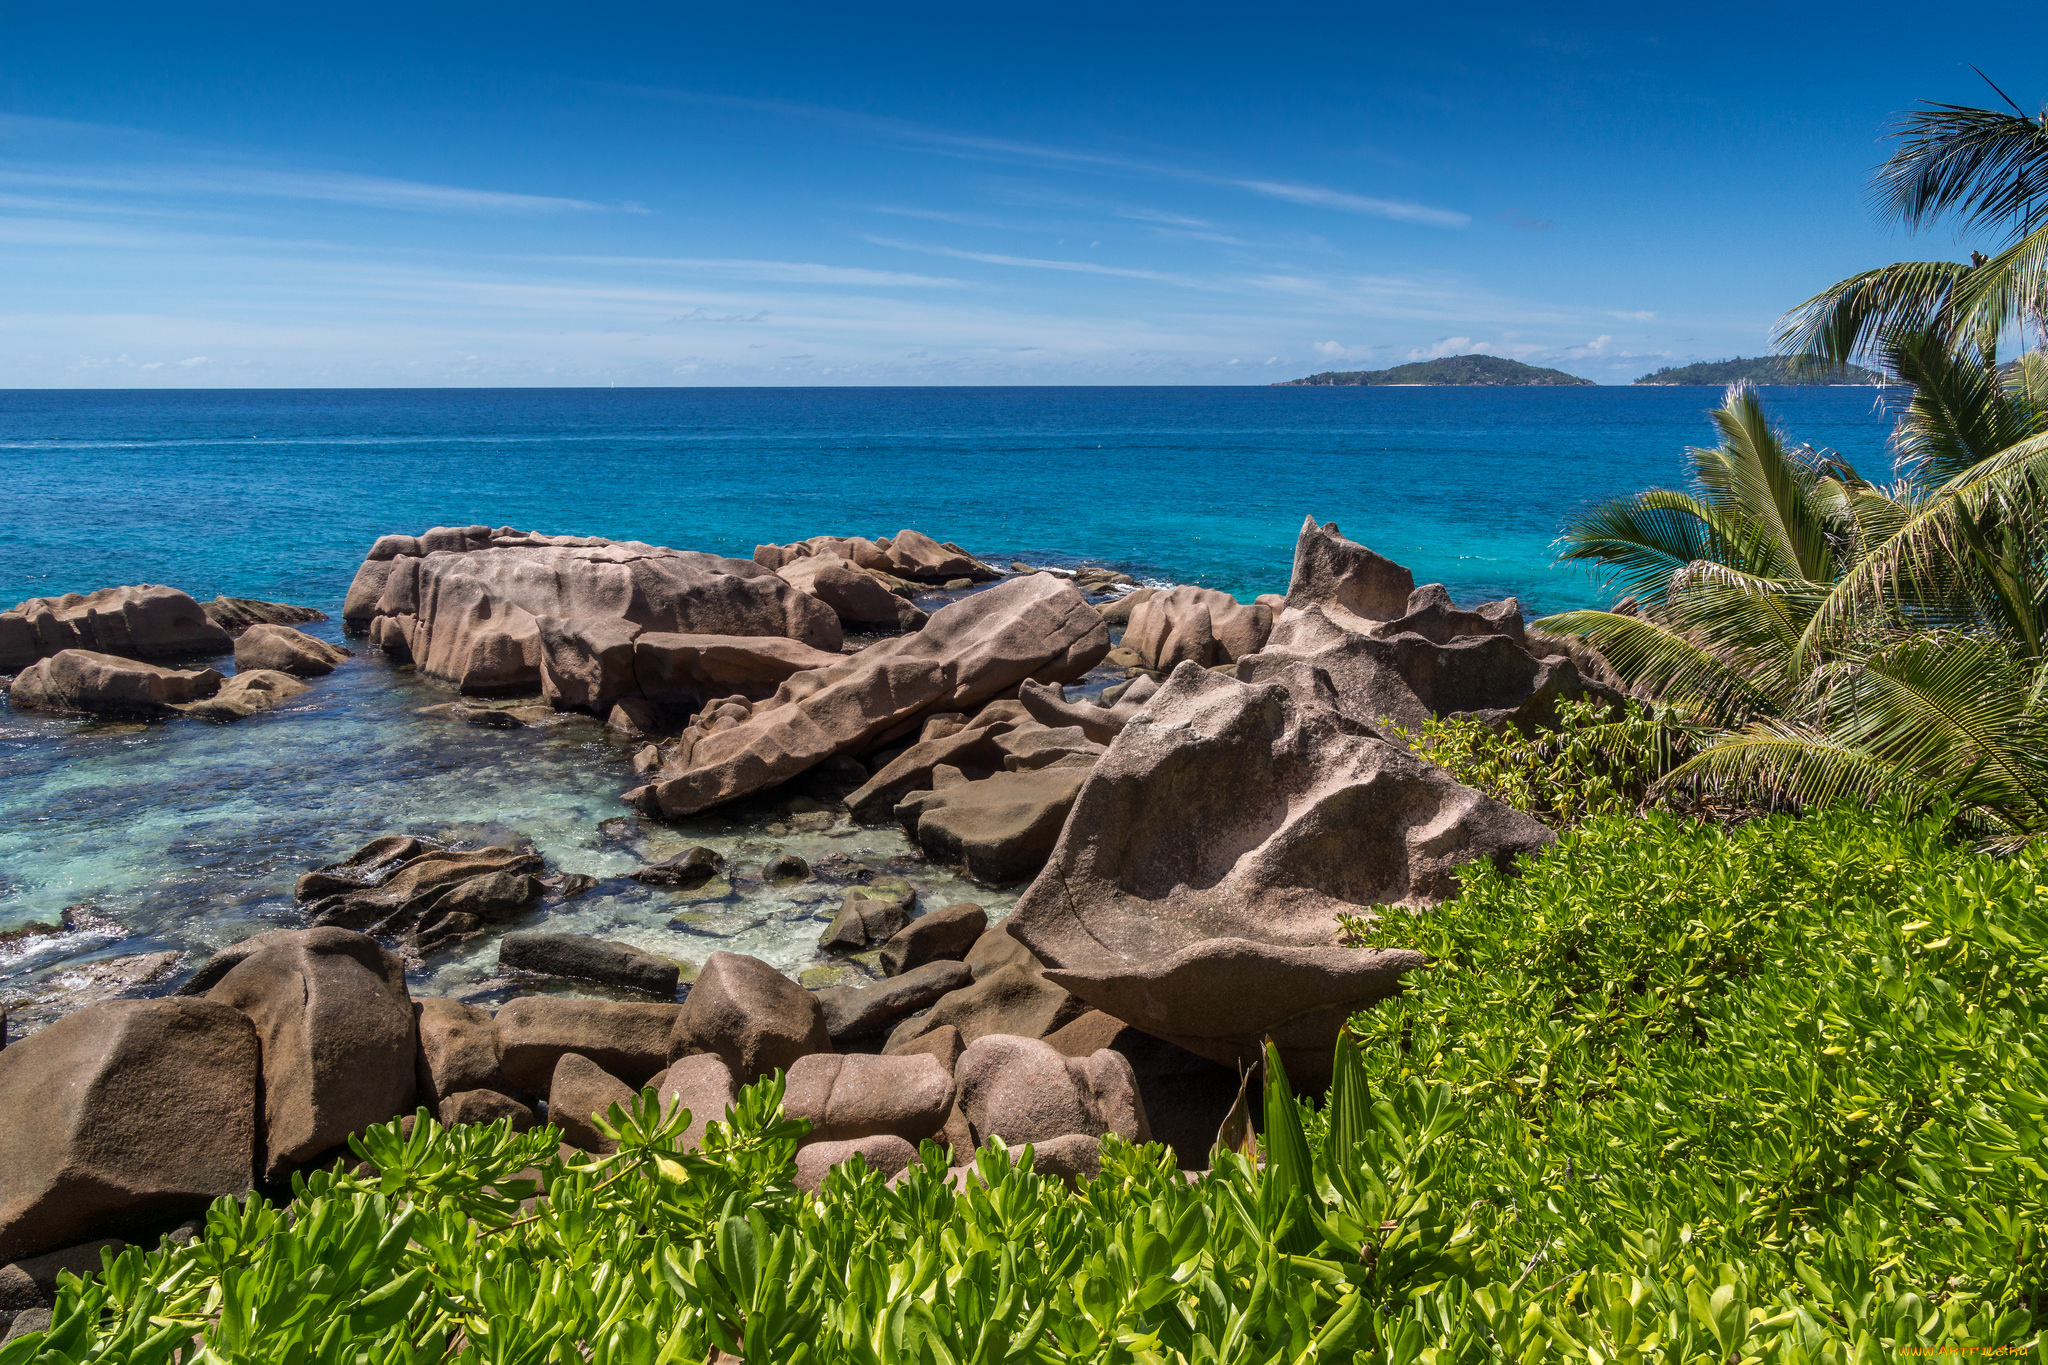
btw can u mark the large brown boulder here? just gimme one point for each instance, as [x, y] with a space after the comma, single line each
[972, 747]
[1186, 1097]
[284, 650]
[1022, 1090]
[855, 1013]
[1049, 706]
[1343, 577]
[906, 555]
[464, 604]
[703, 1085]
[108, 684]
[582, 957]
[683, 672]
[938, 935]
[457, 1050]
[1037, 627]
[861, 600]
[857, 1095]
[627, 1039]
[1389, 673]
[125, 1112]
[750, 1015]
[1195, 890]
[145, 621]
[579, 1091]
[999, 830]
[883, 1152]
[1199, 625]
[336, 1024]
[1015, 999]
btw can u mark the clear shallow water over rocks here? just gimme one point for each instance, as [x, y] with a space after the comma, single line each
[183, 836]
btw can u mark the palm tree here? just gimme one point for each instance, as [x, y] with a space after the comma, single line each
[1842, 639]
[1984, 170]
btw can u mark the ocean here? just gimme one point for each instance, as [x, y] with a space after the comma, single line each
[181, 837]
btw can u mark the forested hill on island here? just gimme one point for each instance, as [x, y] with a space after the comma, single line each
[1456, 369]
[1763, 369]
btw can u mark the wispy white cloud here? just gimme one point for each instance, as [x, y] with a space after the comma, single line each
[319, 186]
[772, 272]
[1041, 263]
[1399, 210]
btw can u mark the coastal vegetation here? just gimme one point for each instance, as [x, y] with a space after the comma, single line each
[1448, 370]
[1763, 369]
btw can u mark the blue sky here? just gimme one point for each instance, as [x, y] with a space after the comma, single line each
[254, 196]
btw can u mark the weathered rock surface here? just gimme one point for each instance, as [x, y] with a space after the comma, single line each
[863, 920]
[999, 830]
[284, 650]
[750, 1015]
[625, 1038]
[1186, 1097]
[108, 684]
[579, 1091]
[860, 599]
[889, 1155]
[485, 1106]
[691, 867]
[857, 1096]
[457, 1050]
[438, 895]
[144, 621]
[465, 604]
[336, 1025]
[1069, 1158]
[853, 1014]
[1099, 724]
[968, 653]
[1199, 625]
[907, 554]
[245, 694]
[1012, 999]
[236, 614]
[1342, 576]
[702, 1084]
[583, 958]
[1195, 891]
[127, 1111]
[1022, 1090]
[938, 935]
[685, 672]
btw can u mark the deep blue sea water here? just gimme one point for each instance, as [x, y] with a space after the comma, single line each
[188, 835]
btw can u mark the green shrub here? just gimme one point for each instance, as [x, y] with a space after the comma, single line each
[1672, 1095]
[1592, 762]
[1802, 1058]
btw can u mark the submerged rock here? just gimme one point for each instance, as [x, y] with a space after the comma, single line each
[245, 694]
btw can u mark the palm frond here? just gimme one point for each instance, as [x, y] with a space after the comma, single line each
[1844, 321]
[1640, 541]
[1984, 166]
[1658, 658]
[1792, 761]
[1959, 414]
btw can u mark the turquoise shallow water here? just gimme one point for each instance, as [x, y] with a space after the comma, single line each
[184, 836]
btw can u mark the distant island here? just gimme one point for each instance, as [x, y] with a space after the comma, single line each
[1763, 369]
[1456, 369]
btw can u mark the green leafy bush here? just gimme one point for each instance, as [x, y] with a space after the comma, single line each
[1672, 1095]
[1593, 762]
[1801, 1061]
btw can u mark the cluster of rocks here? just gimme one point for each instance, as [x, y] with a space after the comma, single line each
[94, 653]
[265, 1063]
